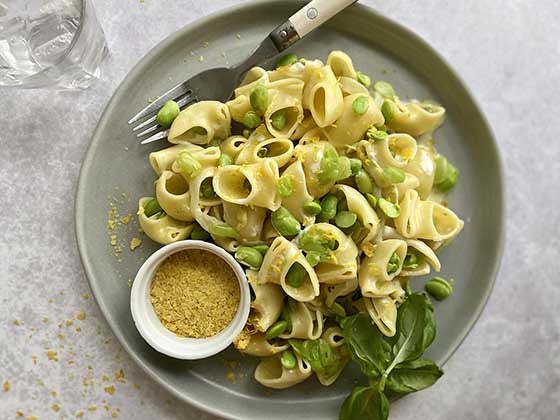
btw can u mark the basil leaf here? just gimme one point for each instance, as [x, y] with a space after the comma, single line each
[366, 344]
[365, 403]
[324, 361]
[413, 376]
[416, 329]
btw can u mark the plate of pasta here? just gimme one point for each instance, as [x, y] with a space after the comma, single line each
[355, 180]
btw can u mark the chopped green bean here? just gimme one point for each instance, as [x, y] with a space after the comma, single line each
[263, 249]
[167, 114]
[225, 160]
[288, 360]
[360, 105]
[276, 329]
[394, 175]
[363, 79]
[312, 208]
[328, 207]
[152, 207]
[385, 89]
[284, 223]
[259, 99]
[223, 230]
[287, 60]
[249, 256]
[355, 165]
[296, 275]
[363, 182]
[391, 210]
[387, 111]
[345, 219]
[199, 234]
[187, 163]
[251, 119]
[284, 186]
[278, 120]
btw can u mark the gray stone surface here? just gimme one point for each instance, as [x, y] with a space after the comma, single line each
[507, 51]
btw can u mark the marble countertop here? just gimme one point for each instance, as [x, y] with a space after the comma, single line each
[508, 52]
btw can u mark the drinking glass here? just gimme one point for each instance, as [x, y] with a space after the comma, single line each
[50, 44]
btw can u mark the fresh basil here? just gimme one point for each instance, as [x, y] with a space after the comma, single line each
[365, 403]
[413, 376]
[366, 344]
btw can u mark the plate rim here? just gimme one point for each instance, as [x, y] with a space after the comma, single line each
[135, 71]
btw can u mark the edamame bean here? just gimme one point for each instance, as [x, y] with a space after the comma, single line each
[206, 189]
[391, 210]
[338, 309]
[374, 134]
[412, 260]
[167, 114]
[328, 169]
[259, 98]
[152, 207]
[278, 120]
[263, 249]
[187, 163]
[276, 329]
[225, 160]
[328, 207]
[387, 111]
[344, 168]
[223, 230]
[372, 200]
[363, 182]
[363, 79]
[312, 208]
[251, 119]
[355, 165]
[394, 175]
[284, 223]
[288, 359]
[393, 264]
[345, 219]
[284, 186]
[446, 174]
[249, 256]
[360, 105]
[296, 275]
[384, 89]
[246, 133]
[287, 60]
[313, 258]
[439, 288]
[199, 234]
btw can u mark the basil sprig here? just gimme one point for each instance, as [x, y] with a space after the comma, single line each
[392, 365]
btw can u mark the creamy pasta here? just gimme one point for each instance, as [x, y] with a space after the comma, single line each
[326, 187]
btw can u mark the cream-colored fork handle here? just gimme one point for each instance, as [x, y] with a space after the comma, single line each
[316, 13]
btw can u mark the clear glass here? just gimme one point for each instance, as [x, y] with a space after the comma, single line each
[50, 44]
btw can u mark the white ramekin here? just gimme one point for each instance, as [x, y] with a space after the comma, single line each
[165, 341]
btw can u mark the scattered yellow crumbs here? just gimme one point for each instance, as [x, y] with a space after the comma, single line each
[191, 53]
[52, 355]
[85, 296]
[81, 316]
[69, 323]
[19, 413]
[126, 219]
[232, 364]
[92, 408]
[56, 408]
[34, 358]
[200, 58]
[6, 386]
[119, 376]
[129, 283]
[135, 243]
[105, 378]
[238, 35]
[16, 322]
[45, 319]
[109, 389]
[80, 414]
[32, 418]
[205, 44]
[231, 377]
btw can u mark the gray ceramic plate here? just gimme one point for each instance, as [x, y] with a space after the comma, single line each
[386, 51]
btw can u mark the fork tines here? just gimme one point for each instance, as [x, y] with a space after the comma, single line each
[181, 94]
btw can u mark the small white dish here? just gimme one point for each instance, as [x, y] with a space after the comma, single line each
[165, 341]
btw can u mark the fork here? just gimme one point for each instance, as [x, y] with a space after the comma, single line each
[218, 83]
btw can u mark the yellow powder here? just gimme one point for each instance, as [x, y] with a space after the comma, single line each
[56, 408]
[195, 294]
[109, 389]
[135, 243]
[19, 413]
[6, 386]
[81, 316]
[17, 322]
[231, 377]
[52, 355]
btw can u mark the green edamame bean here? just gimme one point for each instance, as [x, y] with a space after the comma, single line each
[385, 89]
[328, 207]
[167, 114]
[363, 182]
[206, 189]
[355, 165]
[372, 200]
[439, 288]
[284, 223]
[345, 219]
[276, 329]
[363, 79]
[249, 256]
[223, 230]
[278, 120]
[225, 160]
[288, 359]
[313, 258]
[412, 260]
[296, 275]
[187, 163]
[446, 174]
[338, 309]
[199, 234]
[284, 186]
[394, 175]
[387, 111]
[287, 60]
[251, 119]
[312, 208]
[360, 105]
[329, 167]
[259, 98]
[374, 134]
[391, 210]
[344, 168]
[263, 249]
[394, 263]
[152, 207]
